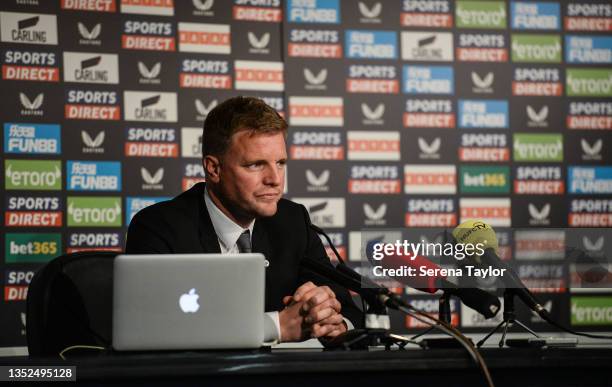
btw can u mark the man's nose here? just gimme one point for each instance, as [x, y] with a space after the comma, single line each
[273, 176]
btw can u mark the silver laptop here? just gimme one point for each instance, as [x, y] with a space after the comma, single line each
[188, 301]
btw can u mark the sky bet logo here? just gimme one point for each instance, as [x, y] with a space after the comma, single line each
[370, 44]
[428, 80]
[91, 67]
[135, 204]
[93, 175]
[28, 28]
[33, 211]
[536, 48]
[313, 11]
[541, 147]
[33, 175]
[483, 114]
[94, 211]
[588, 49]
[32, 138]
[149, 106]
[30, 66]
[481, 14]
[535, 16]
[34, 247]
[589, 180]
[589, 82]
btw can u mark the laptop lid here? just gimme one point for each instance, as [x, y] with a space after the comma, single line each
[188, 301]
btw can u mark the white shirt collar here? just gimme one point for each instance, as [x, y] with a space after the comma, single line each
[227, 230]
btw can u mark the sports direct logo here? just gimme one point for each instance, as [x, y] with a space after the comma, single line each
[590, 213]
[34, 247]
[255, 75]
[28, 28]
[94, 211]
[91, 67]
[90, 241]
[92, 105]
[314, 43]
[32, 138]
[16, 284]
[370, 44]
[434, 14]
[539, 181]
[207, 74]
[588, 49]
[589, 115]
[151, 142]
[30, 66]
[481, 14]
[482, 48]
[589, 82]
[373, 145]
[148, 7]
[193, 174]
[91, 5]
[589, 180]
[536, 48]
[316, 146]
[33, 211]
[204, 38]
[93, 176]
[535, 16]
[582, 16]
[36, 175]
[427, 46]
[533, 81]
[494, 211]
[150, 106]
[142, 35]
[135, 204]
[313, 11]
[264, 11]
[429, 113]
[316, 111]
[483, 114]
[325, 212]
[530, 147]
[484, 147]
[428, 80]
[372, 79]
[430, 179]
[374, 179]
[430, 213]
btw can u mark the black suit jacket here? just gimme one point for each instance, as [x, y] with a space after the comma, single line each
[182, 225]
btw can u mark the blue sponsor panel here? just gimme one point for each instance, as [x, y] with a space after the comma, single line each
[486, 114]
[589, 180]
[428, 80]
[93, 175]
[535, 16]
[25, 138]
[361, 44]
[588, 49]
[135, 204]
[313, 11]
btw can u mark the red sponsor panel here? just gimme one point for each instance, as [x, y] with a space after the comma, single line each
[189, 182]
[33, 219]
[472, 54]
[537, 88]
[307, 50]
[374, 145]
[386, 86]
[484, 154]
[92, 112]
[142, 42]
[205, 81]
[71, 250]
[374, 186]
[546, 187]
[90, 5]
[429, 178]
[315, 111]
[149, 3]
[255, 75]
[588, 24]
[429, 120]
[311, 152]
[590, 220]
[542, 245]
[204, 38]
[431, 220]
[550, 285]
[485, 212]
[30, 73]
[589, 122]
[151, 149]
[273, 15]
[413, 19]
[15, 293]
[412, 322]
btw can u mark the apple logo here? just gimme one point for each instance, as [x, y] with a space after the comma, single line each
[189, 302]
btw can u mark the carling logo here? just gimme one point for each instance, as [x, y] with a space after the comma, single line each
[149, 75]
[89, 36]
[373, 115]
[325, 212]
[435, 14]
[149, 106]
[430, 179]
[539, 180]
[151, 142]
[536, 48]
[28, 28]
[313, 11]
[207, 74]
[532, 81]
[537, 118]
[31, 107]
[535, 15]
[148, 7]
[94, 241]
[591, 151]
[203, 109]
[374, 179]
[494, 211]
[204, 38]
[319, 145]
[93, 175]
[255, 75]
[316, 111]
[317, 182]
[588, 49]
[429, 150]
[483, 113]
[314, 43]
[484, 147]
[91, 5]
[482, 48]
[589, 180]
[31, 247]
[530, 147]
[588, 16]
[32, 138]
[259, 45]
[428, 80]
[590, 213]
[263, 11]
[370, 44]
[429, 113]
[191, 142]
[86, 67]
[427, 46]
[370, 13]
[193, 174]
[482, 84]
[430, 213]
[38, 66]
[134, 204]
[481, 14]
[35, 175]
[484, 179]
[372, 79]
[94, 211]
[92, 143]
[152, 180]
[373, 145]
[92, 105]
[33, 211]
[589, 115]
[145, 35]
[589, 82]
[315, 81]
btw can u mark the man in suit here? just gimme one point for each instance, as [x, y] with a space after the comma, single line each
[240, 209]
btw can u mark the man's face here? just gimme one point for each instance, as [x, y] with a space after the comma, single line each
[251, 175]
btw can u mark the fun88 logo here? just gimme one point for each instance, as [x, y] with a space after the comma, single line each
[371, 44]
[94, 176]
[313, 11]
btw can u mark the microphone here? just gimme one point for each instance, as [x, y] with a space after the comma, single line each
[476, 231]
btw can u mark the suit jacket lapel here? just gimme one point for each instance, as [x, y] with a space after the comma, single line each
[208, 237]
[260, 241]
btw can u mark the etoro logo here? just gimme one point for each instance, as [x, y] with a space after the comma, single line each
[538, 147]
[592, 311]
[33, 247]
[589, 82]
[481, 14]
[536, 48]
[33, 175]
[28, 28]
[94, 211]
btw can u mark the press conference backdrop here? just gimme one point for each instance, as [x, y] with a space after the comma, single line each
[402, 114]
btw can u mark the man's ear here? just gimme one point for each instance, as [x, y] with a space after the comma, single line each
[212, 168]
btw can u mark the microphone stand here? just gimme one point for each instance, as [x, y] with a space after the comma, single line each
[444, 312]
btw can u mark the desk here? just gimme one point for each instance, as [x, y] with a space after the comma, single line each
[413, 367]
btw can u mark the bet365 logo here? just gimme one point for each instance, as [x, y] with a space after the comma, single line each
[32, 247]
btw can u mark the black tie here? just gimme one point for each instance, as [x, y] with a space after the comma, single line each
[244, 242]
